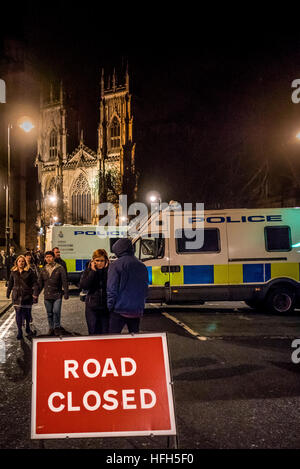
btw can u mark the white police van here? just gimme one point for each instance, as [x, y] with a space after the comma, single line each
[77, 243]
[250, 255]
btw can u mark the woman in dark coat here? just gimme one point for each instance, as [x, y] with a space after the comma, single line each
[25, 290]
[94, 281]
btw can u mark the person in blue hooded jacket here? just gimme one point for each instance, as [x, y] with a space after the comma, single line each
[127, 288]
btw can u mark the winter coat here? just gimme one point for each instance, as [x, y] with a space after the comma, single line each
[95, 283]
[61, 262]
[53, 284]
[2, 261]
[11, 259]
[35, 269]
[23, 286]
[127, 281]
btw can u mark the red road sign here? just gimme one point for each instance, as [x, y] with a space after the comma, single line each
[96, 386]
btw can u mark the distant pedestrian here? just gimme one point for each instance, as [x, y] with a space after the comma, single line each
[25, 290]
[58, 259]
[31, 263]
[11, 259]
[127, 288]
[53, 279]
[3, 268]
[40, 258]
[34, 268]
[94, 281]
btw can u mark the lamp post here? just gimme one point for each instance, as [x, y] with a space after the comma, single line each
[26, 125]
[7, 194]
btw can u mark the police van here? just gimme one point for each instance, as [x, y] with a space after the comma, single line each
[250, 255]
[77, 243]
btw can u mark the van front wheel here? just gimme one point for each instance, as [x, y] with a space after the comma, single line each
[281, 300]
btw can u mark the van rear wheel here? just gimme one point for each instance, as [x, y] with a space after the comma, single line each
[281, 300]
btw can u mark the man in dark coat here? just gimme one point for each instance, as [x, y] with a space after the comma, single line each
[127, 288]
[53, 279]
[58, 259]
[10, 260]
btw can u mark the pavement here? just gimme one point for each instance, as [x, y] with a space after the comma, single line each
[4, 302]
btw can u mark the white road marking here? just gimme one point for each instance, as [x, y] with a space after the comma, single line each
[184, 326]
[6, 325]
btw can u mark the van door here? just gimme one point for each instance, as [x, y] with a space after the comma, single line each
[153, 251]
[200, 273]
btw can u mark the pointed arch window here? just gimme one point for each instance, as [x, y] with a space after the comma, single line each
[115, 133]
[53, 144]
[81, 201]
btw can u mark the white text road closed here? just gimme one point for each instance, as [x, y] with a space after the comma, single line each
[101, 386]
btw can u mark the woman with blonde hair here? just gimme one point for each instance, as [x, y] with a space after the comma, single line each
[94, 281]
[25, 290]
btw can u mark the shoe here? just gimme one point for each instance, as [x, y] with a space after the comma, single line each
[20, 336]
[51, 332]
[57, 331]
[28, 330]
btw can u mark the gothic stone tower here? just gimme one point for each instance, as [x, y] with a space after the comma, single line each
[73, 184]
[116, 149]
[52, 152]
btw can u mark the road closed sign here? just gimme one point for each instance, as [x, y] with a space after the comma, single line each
[100, 386]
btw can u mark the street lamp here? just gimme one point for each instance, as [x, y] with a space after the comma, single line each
[155, 197]
[52, 198]
[26, 125]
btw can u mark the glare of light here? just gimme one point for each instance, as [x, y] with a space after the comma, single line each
[52, 198]
[298, 136]
[55, 218]
[27, 126]
[296, 245]
[153, 196]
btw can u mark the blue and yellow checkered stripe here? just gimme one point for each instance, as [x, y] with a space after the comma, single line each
[232, 274]
[76, 265]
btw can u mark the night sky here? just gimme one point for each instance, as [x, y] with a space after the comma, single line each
[211, 104]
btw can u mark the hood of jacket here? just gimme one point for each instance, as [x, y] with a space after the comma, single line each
[123, 247]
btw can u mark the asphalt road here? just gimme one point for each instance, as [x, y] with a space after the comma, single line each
[235, 384]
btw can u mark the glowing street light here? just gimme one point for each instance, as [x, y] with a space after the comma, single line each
[154, 197]
[52, 198]
[26, 125]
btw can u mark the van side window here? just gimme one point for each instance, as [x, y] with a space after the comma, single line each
[150, 247]
[278, 238]
[211, 241]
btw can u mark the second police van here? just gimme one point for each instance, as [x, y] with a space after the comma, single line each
[247, 255]
[77, 243]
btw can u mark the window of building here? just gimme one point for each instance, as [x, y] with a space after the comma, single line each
[115, 140]
[53, 145]
[81, 201]
[211, 241]
[278, 238]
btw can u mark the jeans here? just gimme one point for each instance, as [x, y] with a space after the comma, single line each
[117, 322]
[53, 308]
[97, 321]
[22, 314]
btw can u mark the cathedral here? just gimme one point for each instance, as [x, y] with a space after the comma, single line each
[73, 183]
